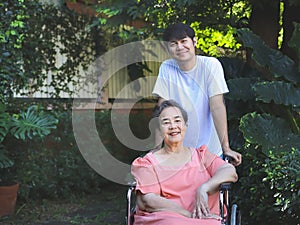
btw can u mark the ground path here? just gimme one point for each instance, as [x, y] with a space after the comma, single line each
[106, 208]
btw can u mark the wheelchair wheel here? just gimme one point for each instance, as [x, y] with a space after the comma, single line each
[235, 217]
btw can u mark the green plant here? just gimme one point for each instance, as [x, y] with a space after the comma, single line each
[283, 173]
[29, 124]
[25, 60]
[264, 114]
[54, 167]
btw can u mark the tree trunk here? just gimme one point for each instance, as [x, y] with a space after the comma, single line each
[264, 21]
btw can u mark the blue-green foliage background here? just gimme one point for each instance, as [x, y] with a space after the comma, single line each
[263, 103]
[263, 110]
[53, 167]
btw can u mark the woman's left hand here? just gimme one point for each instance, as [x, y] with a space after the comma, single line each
[201, 209]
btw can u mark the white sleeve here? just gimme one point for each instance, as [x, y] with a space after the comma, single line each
[161, 86]
[217, 84]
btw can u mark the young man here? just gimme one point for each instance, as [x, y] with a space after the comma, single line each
[198, 84]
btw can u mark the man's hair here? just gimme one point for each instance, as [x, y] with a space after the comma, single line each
[178, 31]
[167, 104]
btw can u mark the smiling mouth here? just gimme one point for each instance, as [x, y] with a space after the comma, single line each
[181, 53]
[174, 133]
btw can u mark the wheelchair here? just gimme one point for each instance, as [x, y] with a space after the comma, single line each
[231, 215]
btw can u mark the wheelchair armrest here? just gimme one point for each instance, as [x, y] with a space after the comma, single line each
[225, 186]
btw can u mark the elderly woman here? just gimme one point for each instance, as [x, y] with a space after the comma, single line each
[178, 185]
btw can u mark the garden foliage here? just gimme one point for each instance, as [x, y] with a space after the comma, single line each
[263, 107]
[53, 167]
[263, 103]
[32, 36]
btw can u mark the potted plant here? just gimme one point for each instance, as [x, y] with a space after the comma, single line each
[27, 124]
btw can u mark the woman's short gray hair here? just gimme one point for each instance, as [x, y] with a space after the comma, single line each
[167, 104]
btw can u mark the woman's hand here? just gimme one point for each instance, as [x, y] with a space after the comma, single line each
[201, 209]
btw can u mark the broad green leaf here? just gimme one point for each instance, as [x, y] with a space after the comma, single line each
[5, 162]
[240, 89]
[32, 123]
[233, 67]
[294, 41]
[279, 92]
[271, 133]
[279, 65]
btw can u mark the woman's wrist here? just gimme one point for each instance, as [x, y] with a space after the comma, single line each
[203, 188]
[186, 213]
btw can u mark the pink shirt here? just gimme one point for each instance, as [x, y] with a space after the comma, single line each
[178, 184]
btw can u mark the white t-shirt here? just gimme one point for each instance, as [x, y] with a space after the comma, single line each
[192, 90]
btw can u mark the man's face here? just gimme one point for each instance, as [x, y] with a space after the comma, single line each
[182, 50]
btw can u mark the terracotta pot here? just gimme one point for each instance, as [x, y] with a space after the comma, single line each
[8, 198]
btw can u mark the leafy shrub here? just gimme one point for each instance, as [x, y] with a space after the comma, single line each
[268, 188]
[264, 126]
[55, 168]
[283, 175]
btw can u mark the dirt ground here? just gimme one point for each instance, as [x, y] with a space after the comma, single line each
[106, 208]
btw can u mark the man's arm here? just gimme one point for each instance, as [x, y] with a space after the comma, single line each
[218, 110]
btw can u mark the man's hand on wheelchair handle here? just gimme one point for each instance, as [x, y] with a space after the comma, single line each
[236, 158]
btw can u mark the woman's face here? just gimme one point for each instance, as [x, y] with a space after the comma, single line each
[172, 125]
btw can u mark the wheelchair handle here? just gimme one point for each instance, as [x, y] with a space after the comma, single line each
[227, 158]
